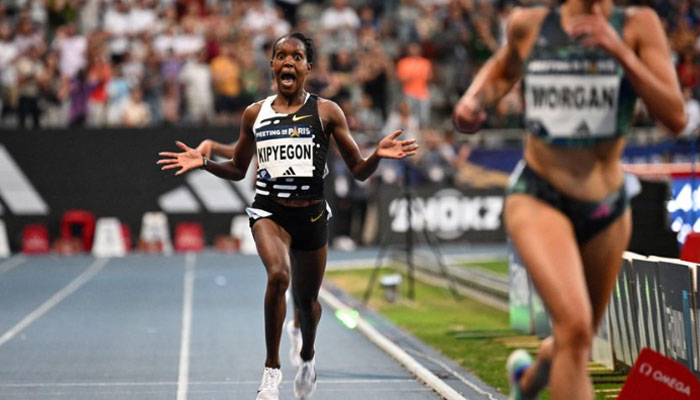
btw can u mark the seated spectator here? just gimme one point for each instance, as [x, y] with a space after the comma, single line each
[135, 113]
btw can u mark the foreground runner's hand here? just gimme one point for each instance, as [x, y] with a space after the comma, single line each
[595, 31]
[389, 147]
[188, 160]
[468, 115]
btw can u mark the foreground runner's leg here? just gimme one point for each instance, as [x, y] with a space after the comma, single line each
[307, 274]
[273, 243]
[546, 243]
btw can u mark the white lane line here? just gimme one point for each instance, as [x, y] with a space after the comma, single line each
[184, 370]
[389, 347]
[197, 383]
[11, 263]
[85, 276]
[457, 375]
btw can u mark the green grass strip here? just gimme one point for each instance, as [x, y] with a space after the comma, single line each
[474, 335]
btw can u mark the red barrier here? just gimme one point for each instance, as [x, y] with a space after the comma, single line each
[126, 234]
[655, 377]
[35, 239]
[82, 218]
[691, 248]
[189, 237]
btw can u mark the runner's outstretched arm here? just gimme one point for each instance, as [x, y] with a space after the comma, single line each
[363, 168]
[233, 169]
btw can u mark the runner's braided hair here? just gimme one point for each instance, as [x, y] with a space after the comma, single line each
[306, 41]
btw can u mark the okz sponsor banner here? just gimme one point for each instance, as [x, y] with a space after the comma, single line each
[473, 215]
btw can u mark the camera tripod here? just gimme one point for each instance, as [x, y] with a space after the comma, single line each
[408, 245]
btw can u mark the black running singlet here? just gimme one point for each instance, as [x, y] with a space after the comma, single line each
[291, 151]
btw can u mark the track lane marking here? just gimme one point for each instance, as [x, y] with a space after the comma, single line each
[414, 367]
[59, 296]
[12, 263]
[185, 333]
[196, 383]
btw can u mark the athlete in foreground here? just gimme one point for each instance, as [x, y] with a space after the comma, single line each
[289, 133]
[583, 65]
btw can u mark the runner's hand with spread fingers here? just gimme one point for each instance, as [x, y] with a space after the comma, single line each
[188, 160]
[389, 147]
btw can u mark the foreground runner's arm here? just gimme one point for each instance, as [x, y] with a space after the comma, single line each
[360, 167]
[645, 56]
[208, 147]
[233, 169]
[498, 75]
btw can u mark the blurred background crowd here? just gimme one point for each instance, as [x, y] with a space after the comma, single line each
[143, 63]
[389, 64]
[197, 63]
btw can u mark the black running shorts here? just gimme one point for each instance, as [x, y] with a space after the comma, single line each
[308, 226]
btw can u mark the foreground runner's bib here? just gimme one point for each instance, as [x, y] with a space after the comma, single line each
[291, 150]
[286, 151]
[572, 104]
[575, 96]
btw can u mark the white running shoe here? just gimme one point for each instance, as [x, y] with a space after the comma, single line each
[517, 363]
[305, 381]
[269, 387]
[295, 343]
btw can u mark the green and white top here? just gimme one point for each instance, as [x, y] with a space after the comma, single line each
[575, 96]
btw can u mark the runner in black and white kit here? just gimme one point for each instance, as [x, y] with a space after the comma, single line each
[290, 133]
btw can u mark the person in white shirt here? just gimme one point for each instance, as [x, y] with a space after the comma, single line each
[142, 17]
[339, 16]
[72, 51]
[197, 81]
[188, 42]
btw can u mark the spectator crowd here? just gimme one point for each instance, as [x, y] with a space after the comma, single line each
[389, 64]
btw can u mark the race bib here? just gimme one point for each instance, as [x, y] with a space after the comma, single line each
[286, 155]
[572, 106]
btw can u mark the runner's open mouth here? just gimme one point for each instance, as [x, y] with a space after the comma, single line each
[288, 78]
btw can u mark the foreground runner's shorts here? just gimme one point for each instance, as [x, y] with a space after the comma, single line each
[587, 217]
[308, 226]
